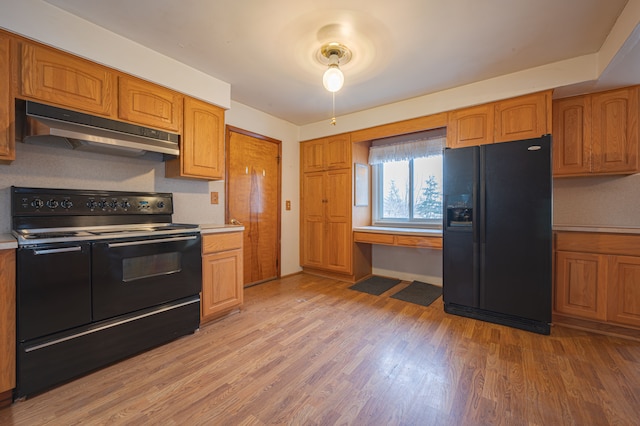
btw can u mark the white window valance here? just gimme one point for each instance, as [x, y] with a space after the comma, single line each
[406, 150]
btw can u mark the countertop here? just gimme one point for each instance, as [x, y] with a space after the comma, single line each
[218, 229]
[598, 228]
[400, 231]
[7, 242]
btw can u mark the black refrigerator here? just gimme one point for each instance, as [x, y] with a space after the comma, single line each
[497, 251]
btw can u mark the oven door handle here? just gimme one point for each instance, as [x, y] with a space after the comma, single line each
[58, 250]
[155, 241]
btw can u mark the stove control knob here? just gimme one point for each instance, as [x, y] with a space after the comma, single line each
[92, 204]
[37, 203]
[160, 204]
[52, 204]
[113, 204]
[125, 204]
[66, 204]
[102, 204]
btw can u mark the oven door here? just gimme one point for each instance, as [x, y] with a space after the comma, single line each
[53, 284]
[129, 275]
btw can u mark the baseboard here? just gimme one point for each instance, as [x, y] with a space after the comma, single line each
[6, 398]
[596, 327]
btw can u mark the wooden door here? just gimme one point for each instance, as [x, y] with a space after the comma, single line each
[624, 290]
[470, 126]
[524, 117]
[581, 280]
[202, 144]
[7, 114]
[615, 131]
[312, 228]
[7, 321]
[67, 81]
[253, 199]
[149, 104]
[572, 136]
[338, 218]
[337, 152]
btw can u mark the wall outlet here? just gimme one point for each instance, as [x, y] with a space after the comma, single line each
[287, 205]
[214, 198]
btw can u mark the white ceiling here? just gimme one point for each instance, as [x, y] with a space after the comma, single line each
[401, 49]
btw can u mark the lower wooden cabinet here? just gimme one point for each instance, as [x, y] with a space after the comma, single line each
[624, 290]
[7, 325]
[597, 277]
[581, 284]
[222, 274]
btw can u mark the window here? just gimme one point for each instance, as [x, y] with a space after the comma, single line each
[407, 180]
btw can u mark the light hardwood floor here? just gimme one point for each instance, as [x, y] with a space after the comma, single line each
[309, 351]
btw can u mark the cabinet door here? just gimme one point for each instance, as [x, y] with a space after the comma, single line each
[338, 244]
[202, 144]
[581, 280]
[149, 104]
[337, 152]
[7, 320]
[313, 202]
[615, 131]
[67, 81]
[572, 136]
[313, 156]
[524, 117]
[326, 154]
[222, 282]
[624, 290]
[7, 114]
[470, 126]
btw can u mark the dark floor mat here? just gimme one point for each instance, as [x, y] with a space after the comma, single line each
[375, 285]
[419, 293]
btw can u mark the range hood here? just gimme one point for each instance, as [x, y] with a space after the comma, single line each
[48, 125]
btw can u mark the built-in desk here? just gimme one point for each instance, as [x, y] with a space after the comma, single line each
[402, 237]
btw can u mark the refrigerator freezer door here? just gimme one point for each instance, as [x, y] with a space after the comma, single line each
[515, 237]
[460, 273]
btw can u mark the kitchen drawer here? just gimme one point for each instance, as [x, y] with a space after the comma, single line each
[415, 241]
[221, 242]
[373, 238]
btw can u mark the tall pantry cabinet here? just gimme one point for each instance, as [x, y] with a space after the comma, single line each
[328, 214]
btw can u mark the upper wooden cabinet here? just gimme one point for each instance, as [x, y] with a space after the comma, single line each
[524, 117]
[470, 126]
[7, 113]
[615, 131]
[572, 136]
[202, 144]
[333, 152]
[149, 104]
[67, 81]
[596, 134]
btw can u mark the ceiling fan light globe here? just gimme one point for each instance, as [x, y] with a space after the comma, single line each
[333, 79]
